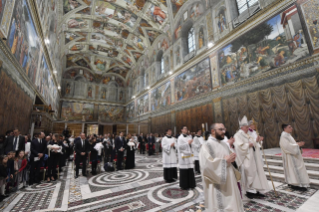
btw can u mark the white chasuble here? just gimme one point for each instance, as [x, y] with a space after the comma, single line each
[169, 153]
[294, 167]
[196, 145]
[249, 162]
[253, 134]
[185, 153]
[219, 180]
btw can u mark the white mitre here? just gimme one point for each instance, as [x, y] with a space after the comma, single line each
[243, 122]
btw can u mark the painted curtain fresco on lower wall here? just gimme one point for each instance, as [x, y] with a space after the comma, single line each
[310, 11]
[142, 105]
[193, 82]
[111, 113]
[161, 96]
[15, 106]
[295, 103]
[273, 43]
[77, 111]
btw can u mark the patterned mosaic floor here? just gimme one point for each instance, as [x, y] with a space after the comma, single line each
[140, 189]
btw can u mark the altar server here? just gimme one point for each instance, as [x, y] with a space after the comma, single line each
[259, 140]
[186, 161]
[248, 162]
[169, 157]
[196, 145]
[218, 174]
[294, 168]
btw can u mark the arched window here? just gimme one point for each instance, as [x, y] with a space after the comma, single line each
[243, 5]
[191, 40]
[162, 65]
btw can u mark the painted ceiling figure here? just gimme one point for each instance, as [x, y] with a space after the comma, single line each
[157, 14]
[70, 5]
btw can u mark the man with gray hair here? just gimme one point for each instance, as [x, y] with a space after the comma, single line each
[254, 179]
[219, 174]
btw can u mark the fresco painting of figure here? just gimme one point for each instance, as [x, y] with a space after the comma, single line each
[201, 39]
[157, 14]
[130, 111]
[76, 111]
[23, 42]
[161, 96]
[111, 113]
[123, 71]
[271, 44]
[69, 5]
[310, 12]
[221, 20]
[113, 11]
[2, 6]
[152, 35]
[70, 36]
[142, 105]
[90, 92]
[100, 64]
[23, 39]
[77, 23]
[193, 82]
[176, 5]
[178, 56]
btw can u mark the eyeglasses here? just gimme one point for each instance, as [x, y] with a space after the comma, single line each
[221, 129]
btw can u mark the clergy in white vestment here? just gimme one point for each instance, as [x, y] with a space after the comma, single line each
[186, 161]
[169, 157]
[259, 140]
[218, 174]
[230, 144]
[294, 168]
[249, 163]
[196, 145]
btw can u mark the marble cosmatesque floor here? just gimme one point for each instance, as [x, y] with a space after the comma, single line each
[141, 189]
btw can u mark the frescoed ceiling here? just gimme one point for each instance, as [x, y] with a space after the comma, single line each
[110, 36]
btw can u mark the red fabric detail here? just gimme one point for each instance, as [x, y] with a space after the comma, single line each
[23, 165]
[308, 153]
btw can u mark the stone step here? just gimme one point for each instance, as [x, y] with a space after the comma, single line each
[306, 160]
[281, 178]
[279, 169]
[309, 166]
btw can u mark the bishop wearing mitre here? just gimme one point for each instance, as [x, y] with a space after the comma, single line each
[169, 157]
[186, 161]
[218, 173]
[294, 168]
[248, 160]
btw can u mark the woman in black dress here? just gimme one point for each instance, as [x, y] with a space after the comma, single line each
[130, 152]
[54, 151]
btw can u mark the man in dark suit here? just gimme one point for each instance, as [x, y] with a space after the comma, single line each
[81, 149]
[141, 140]
[38, 150]
[108, 147]
[151, 142]
[120, 144]
[14, 143]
